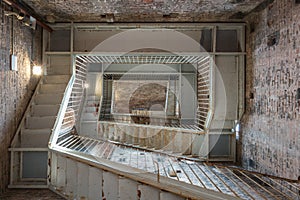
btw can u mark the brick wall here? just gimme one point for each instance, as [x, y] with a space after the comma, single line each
[271, 132]
[143, 10]
[16, 88]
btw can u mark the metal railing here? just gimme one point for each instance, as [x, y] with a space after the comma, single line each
[59, 122]
[68, 115]
[99, 107]
[205, 77]
[223, 180]
[234, 182]
[204, 93]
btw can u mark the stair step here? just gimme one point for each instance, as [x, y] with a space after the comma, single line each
[56, 79]
[90, 109]
[52, 88]
[44, 110]
[40, 122]
[89, 129]
[89, 116]
[35, 138]
[48, 98]
[93, 98]
[90, 103]
[29, 185]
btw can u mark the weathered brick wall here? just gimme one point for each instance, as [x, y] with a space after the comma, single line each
[143, 10]
[271, 133]
[16, 88]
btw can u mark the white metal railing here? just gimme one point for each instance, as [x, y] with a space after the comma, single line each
[204, 93]
[72, 101]
[61, 113]
[99, 107]
[141, 58]
[68, 115]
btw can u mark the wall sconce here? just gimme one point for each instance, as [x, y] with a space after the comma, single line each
[86, 85]
[37, 70]
[23, 18]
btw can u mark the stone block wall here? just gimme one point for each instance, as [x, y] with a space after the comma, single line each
[16, 87]
[137, 95]
[271, 125]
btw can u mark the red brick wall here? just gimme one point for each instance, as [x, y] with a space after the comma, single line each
[16, 88]
[271, 133]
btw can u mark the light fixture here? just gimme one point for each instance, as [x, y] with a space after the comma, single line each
[14, 62]
[86, 85]
[37, 70]
[19, 16]
[25, 19]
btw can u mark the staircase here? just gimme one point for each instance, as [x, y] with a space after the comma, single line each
[90, 111]
[95, 169]
[106, 110]
[89, 116]
[105, 113]
[29, 150]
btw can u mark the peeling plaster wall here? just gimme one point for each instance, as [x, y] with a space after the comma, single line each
[16, 87]
[271, 126]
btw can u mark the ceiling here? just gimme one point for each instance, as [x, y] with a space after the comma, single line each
[142, 10]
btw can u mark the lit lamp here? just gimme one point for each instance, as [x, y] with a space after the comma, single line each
[37, 70]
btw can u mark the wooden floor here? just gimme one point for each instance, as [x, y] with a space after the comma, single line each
[30, 194]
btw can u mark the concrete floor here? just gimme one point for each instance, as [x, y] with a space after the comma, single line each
[32, 194]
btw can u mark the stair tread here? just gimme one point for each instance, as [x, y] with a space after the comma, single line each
[61, 75]
[33, 122]
[88, 121]
[48, 99]
[43, 117]
[45, 94]
[52, 88]
[62, 84]
[40, 95]
[40, 130]
[46, 105]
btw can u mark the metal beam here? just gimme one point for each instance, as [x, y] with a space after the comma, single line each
[25, 9]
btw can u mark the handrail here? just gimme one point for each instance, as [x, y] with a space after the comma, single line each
[82, 104]
[13, 142]
[211, 94]
[205, 93]
[100, 107]
[61, 113]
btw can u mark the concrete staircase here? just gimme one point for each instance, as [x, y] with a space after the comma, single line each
[29, 149]
[105, 112]
[43, 112]
[89, 116]
[90, 111]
